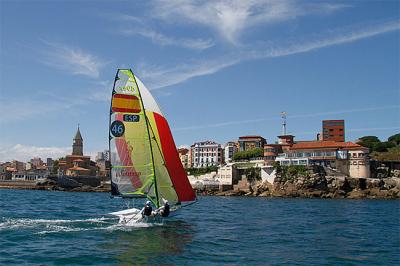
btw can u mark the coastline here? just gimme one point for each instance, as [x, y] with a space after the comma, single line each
[253, 190]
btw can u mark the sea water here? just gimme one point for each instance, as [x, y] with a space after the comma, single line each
[57, 228]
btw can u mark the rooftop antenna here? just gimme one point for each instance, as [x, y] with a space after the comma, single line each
[283, 115]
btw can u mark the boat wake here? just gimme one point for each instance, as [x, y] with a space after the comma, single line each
[49, 226]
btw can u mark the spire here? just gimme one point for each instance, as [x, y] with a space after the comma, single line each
[77, 146]
[78, 135]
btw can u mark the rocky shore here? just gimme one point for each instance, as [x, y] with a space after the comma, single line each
[51, 185]
[314, 183]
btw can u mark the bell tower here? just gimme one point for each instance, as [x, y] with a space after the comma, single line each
[77, 146]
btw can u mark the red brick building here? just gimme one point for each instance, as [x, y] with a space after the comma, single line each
[333, 130]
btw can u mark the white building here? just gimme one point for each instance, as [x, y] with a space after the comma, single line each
[105, 155]
[206, 153]
[226, 175]
[29, 176]
[229, 150]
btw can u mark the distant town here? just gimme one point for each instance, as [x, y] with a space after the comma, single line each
[212, 166]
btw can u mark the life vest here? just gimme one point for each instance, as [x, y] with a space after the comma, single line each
[147, 210]
[165, 211]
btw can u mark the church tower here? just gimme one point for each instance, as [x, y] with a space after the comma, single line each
[77, 146]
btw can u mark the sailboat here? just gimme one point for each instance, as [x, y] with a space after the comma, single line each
[144, 159]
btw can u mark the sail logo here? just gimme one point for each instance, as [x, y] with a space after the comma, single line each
[128, 88]
[127, 173]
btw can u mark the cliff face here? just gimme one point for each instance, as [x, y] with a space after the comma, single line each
[315, 182]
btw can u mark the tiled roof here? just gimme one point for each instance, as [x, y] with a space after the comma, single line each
[78, 168]
[300, 145]
[250, 137]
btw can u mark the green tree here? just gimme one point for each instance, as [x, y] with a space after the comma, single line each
[370, 142]
[55, 167]
[395, 139]
[245, 155]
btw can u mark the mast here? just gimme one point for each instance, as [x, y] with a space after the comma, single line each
[113, 186]
[151, 146]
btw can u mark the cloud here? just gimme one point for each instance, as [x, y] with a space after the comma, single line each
[72, 60]
[231, 17]
[159, 77]
[257, 120]
[339, 37]
[161, 39]
[24, 153]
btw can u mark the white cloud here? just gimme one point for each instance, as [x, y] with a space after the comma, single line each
[231, 17]
[339, 37]
[161, 39]
[72, 60]
[24, 153]
[162, 77]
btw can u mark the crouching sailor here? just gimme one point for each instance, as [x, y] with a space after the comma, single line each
[164, 210]
[147, 209]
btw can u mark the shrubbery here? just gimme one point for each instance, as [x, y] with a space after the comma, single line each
[201, 171]
[375, 145]
[291, 171]
[245, 155]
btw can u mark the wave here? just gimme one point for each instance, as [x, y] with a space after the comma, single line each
[48, 226]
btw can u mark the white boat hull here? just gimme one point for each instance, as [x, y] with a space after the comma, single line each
[128, 216]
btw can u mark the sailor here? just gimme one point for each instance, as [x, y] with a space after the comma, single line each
[147, 209]
[164, 210]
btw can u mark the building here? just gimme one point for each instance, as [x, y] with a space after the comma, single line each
[271, 151]
[18, 166]
[50, 164]
[251, 142]
[184, 157]
[206, 153]
[77, 146]
[77, 164]
[227, 176]
[103, 164]
[36, 162]
[229, 150]
[333, 130]
[350, 158]
[34, 175]
[105, 155]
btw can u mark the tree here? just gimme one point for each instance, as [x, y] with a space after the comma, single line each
[55, 167]
[395, 139]
[245, 155]
[370, 142]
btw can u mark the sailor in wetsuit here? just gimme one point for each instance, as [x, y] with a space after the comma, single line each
[147, 209]
[164, 210]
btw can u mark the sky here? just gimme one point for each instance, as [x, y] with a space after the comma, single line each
[218, 69]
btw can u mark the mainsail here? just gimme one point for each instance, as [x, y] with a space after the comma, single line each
[144, 159]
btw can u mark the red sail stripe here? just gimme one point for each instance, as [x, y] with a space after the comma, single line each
[178, 175]
[125, 110]
[125, 156]
[125, 96]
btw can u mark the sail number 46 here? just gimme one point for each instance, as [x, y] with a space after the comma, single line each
[117, 128]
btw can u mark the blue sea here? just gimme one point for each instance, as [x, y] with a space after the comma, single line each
[65, 228]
